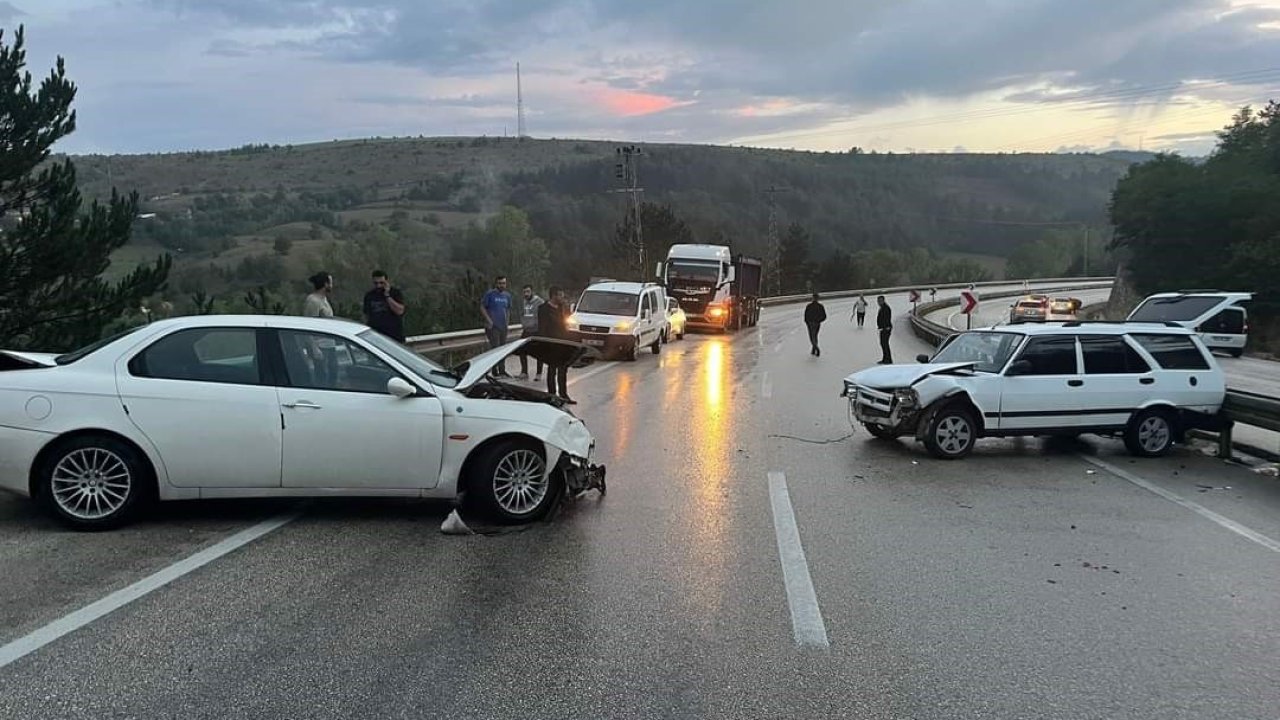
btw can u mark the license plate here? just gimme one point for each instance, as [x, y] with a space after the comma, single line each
[594, 343]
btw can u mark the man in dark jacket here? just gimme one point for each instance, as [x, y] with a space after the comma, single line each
[551, 323]
[884, 322]
[814, 316]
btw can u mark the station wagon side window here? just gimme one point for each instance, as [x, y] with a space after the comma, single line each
[1173, 352]
[1111, 355]
[1055, 355]
[221, 355]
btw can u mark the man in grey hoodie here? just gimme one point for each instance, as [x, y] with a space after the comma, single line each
[529, 328]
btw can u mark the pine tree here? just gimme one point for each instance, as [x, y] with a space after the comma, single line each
[52, 255]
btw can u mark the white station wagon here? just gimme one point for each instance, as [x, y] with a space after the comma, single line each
[1147, 383]
[263, 406]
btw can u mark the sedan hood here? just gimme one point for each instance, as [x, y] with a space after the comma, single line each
[548, 350]
[889, 377]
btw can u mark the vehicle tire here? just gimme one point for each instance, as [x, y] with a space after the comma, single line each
[656, 347]
[631, 351]
[665, 338]
[1151, 433]
[94, 482]
[951, 432]
[881, 431]
[510, 481]
[1236, 352]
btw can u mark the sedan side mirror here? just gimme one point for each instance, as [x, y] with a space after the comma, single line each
[922, 358]
[1019, 367]
[401, 388]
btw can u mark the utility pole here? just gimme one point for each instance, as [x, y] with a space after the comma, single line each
[627, 170]
[1085, 269]
[520, 129]
[775, 241]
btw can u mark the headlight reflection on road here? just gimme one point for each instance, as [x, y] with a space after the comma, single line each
[624, 406]
[711, 475]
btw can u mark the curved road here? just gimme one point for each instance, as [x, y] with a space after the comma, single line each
[1248, 374]
[751, 560]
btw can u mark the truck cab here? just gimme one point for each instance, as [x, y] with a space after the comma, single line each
[714, 289]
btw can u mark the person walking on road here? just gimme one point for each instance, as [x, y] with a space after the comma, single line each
[859, 310]
[884, 323]
[495, 306]
[529, 328]
[552, 315]
[814, 316]
[384, 307]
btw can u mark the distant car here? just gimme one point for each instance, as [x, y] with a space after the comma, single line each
[1146, 383]
[1062, 310]
[1219, 317]
[1033, 308]
[224, 406]
[677, 322]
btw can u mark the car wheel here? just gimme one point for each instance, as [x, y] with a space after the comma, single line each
[1236, 352]
[1150, 433]
[656, 347]
[512, 482]
[632, 350]
[93, 483]
[951, 432]
[882, 432]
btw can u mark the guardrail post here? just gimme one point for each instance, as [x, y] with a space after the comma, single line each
[1224, 440]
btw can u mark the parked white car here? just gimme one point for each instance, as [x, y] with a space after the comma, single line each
[264, 406]
[1147, 383]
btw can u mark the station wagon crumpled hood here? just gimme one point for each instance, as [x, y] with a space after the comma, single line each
[890, 377]
[550, 351]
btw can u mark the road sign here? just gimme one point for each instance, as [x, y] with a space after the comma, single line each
[914, 295]
[968, 301]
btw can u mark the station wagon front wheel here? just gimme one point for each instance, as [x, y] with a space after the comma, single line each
[1151, 433]
[951, 432]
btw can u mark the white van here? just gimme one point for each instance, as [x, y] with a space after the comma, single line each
[620, 318]
[1219, 317]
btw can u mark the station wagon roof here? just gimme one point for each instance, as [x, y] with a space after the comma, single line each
[1090, 328]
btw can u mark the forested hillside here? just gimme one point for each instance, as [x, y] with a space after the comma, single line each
[431, 210]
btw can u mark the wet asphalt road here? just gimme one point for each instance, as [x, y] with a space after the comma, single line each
[1022, 582]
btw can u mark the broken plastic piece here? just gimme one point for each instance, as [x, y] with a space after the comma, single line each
[453, 525]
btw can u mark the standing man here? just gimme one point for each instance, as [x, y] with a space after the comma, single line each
[884, 322]
[551, 323]
[384, 307]
[529, 328]
[495, 306]
[860, 310]
[317, 303]
[323, 352]
[814, 316]
[933, 294]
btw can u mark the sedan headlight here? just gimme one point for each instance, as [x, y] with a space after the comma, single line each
[906, 397]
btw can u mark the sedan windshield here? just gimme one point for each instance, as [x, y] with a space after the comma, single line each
[602, 302]
[423, 367]
[989, 351]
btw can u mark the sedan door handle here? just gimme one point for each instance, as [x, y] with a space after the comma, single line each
[1075, 383]
[1147, 381]
[305, 404]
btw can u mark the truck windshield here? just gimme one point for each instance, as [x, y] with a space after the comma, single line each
[989, 351]
[1174, 309]
[702, 272]
[601, 302]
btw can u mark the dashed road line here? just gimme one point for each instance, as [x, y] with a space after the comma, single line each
[766, 386]
[806, 617]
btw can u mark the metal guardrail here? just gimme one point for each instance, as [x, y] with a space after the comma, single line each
[464, 341]
[1241, 407]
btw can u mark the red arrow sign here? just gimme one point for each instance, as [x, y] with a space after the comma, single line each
[914, 295]
[968, 301]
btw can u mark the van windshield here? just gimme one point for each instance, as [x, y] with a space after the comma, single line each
[1174, 309]
[601, 302]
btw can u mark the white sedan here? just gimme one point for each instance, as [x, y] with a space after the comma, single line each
[265, 406]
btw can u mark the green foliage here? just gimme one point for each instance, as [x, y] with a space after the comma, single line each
[793, 265]
[264, 302]
[660, 229]
[1215, 224]
[52, 256]
[282, 245]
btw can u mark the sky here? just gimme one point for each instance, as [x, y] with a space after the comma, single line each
[884, 75]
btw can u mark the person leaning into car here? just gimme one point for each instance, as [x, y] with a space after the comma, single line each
[552, 315]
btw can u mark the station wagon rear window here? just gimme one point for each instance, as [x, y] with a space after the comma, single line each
[1173, 352]
[1174, 309]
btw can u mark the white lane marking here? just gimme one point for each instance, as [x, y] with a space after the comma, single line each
[766, 386]
[806, 618]
[1228, 523]
[760, 337]
[574, 378]
[777, 348]
[69, 623]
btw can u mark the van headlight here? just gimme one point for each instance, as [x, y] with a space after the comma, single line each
[623, 326]
[906, 397]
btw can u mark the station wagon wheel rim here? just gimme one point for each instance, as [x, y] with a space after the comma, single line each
[520, 481]
[1153, 433]
[953, 434]
[91, 483]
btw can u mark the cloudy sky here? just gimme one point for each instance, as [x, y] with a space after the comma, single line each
[901, 75]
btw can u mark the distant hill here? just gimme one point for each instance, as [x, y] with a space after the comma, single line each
[269, 215]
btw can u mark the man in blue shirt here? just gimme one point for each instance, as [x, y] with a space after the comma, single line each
[495, 306]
